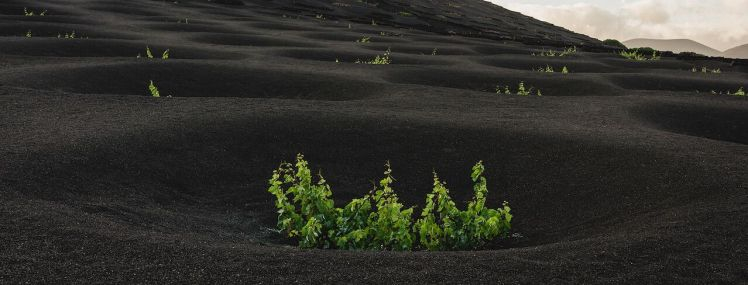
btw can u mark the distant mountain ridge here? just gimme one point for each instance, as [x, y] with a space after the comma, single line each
[687, 45]
[737, 52]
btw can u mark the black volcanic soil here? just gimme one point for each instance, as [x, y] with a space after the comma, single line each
[624, 172]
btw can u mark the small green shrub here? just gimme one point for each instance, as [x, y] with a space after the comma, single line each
[27, 12]
[740, 92]
[378, 221]
[443, 226]
[154, 90]
[380, 59]
[633, 55]
[28, 34]
[614, 43]
[706, 70]
[71, 35]
[550, 69]
[149, 54]
[364, 40]
[547, 69]
[639, 54]
[553, 53]
[522, 90]
[503, 90]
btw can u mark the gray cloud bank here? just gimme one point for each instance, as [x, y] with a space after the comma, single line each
[721, 24]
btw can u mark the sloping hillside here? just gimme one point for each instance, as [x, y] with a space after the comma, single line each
[465, 18]
[737, 52]
[677, 46]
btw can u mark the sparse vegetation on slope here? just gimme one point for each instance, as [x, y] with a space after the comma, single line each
[70, 35]
[29, 13]
[640, 54]
[378, 221]
[550, 69]
[149, 53]
[380, 59]
[522, 90]
[553, 53]
[706, 70]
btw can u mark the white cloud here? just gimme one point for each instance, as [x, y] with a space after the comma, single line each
[721, 24]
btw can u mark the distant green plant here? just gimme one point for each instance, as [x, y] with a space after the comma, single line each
[706, 70]
[614, 43]
[553, 53]
[383, 59]
[522, 90]
[154, 90]
[569, 51]
[639, 55]
[319, 17]
[740, 92]
[547, 69]
[373, 23]
[378, 221]
[149, 53]
[390, 34]
[564, 70]
[71, 35]
[364, 40]
[503, 90]
[655, 56]
[28, 34]
[27, 12]
[633, 55]
[434, 52]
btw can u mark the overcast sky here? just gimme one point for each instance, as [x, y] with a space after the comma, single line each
[721, 24]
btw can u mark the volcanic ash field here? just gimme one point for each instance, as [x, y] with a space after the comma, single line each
[622, 172]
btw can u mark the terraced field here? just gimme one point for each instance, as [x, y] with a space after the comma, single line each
[622, 172]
